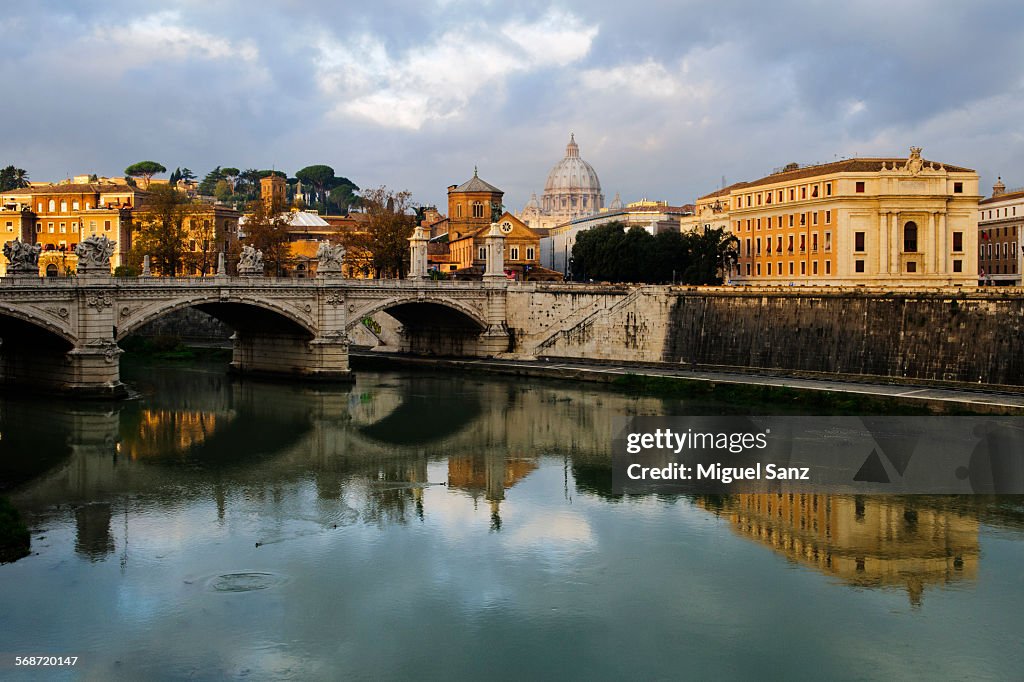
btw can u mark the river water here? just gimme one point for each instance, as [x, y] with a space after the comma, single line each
[446, 526]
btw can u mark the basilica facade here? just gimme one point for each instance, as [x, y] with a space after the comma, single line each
[572, 190]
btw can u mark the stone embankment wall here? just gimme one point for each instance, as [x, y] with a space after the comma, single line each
[942, 335]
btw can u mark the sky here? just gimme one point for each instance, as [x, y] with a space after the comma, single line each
[666, 99]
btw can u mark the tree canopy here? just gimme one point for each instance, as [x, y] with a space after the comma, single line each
[266, 228]
[145, 170]
[610, 253]
[13, 178]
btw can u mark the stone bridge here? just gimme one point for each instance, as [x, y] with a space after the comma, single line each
[62, 333]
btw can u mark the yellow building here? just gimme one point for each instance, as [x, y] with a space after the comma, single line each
[871, 221]
[472, 207]
[59, 216]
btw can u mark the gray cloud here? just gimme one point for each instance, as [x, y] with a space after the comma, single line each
[665, 98]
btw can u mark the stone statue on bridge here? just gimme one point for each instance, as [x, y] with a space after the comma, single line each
[94, 255]
[330, 259]
[250, 264]
[23, 258]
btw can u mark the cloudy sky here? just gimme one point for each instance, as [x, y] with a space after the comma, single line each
[665, 98]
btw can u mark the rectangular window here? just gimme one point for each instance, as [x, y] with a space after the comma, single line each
[803, 192]
[828, 189]
[814, 191]
[513, 253]
[106, 225]
[748, 269]
[74, 227]
[748, 200]
[828, 217]
[814, 218]
[529, 253]
[791, 195]
[769, 244]
[779, 244]
[769, 268]
[39, 228]
[758, 198]
[958, 265]
[803, 267]
[803, 243]
[860, 187]
[814, 243]
[483, 253]
[828, 267]
[63, 228]
[858, 266]
[92, 226]
[780, 268]
[814, 267]
[63, 207]
[828, 241]
[747, 252]
[74, 205]
[911, 266]
[858, 241]
[790, 245]
[791, 220]
[791, 267]
[10, 226]
[758, 247]
[758, 269]
[803, 218]
[958, 188]
[39, 207]
[49, 227]
[759, 223]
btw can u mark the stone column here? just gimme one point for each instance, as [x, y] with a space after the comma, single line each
[883, 240]
[944, 244]
[495, 241]
[894, 245]
[931, 245]
[418, 254]
[495, 339]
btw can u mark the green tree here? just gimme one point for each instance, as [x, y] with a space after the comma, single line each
[320, 178]
[231, 175]
[709, 255]
[13, 178]
[209, 183]
[223, 190]
[161, 231]
[187, 174]
[145, 170]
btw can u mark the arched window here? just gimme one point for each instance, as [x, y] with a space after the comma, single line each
[51, 270]
[478, 209]
[52, 205]
[910, 237]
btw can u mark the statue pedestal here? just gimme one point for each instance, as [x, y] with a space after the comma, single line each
[249, 271]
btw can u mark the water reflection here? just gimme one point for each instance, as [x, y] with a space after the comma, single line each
[864, 541]
[316, 523]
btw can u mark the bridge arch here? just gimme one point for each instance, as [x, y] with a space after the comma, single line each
[414, 308]
[234, 311]
[33, 319]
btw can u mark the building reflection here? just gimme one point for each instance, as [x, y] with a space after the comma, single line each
[93, 539]
[489, 476]
[160, 432]
[863, 541]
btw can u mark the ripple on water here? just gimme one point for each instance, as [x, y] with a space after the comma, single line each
[244, 582]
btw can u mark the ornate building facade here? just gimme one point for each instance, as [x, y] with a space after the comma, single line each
[572, 191]
[871, 221]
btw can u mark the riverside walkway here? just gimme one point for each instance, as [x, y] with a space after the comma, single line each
[938, 398]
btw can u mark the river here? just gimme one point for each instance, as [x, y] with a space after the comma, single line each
[445, 525]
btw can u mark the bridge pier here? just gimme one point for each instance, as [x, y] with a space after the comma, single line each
[323, 358]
